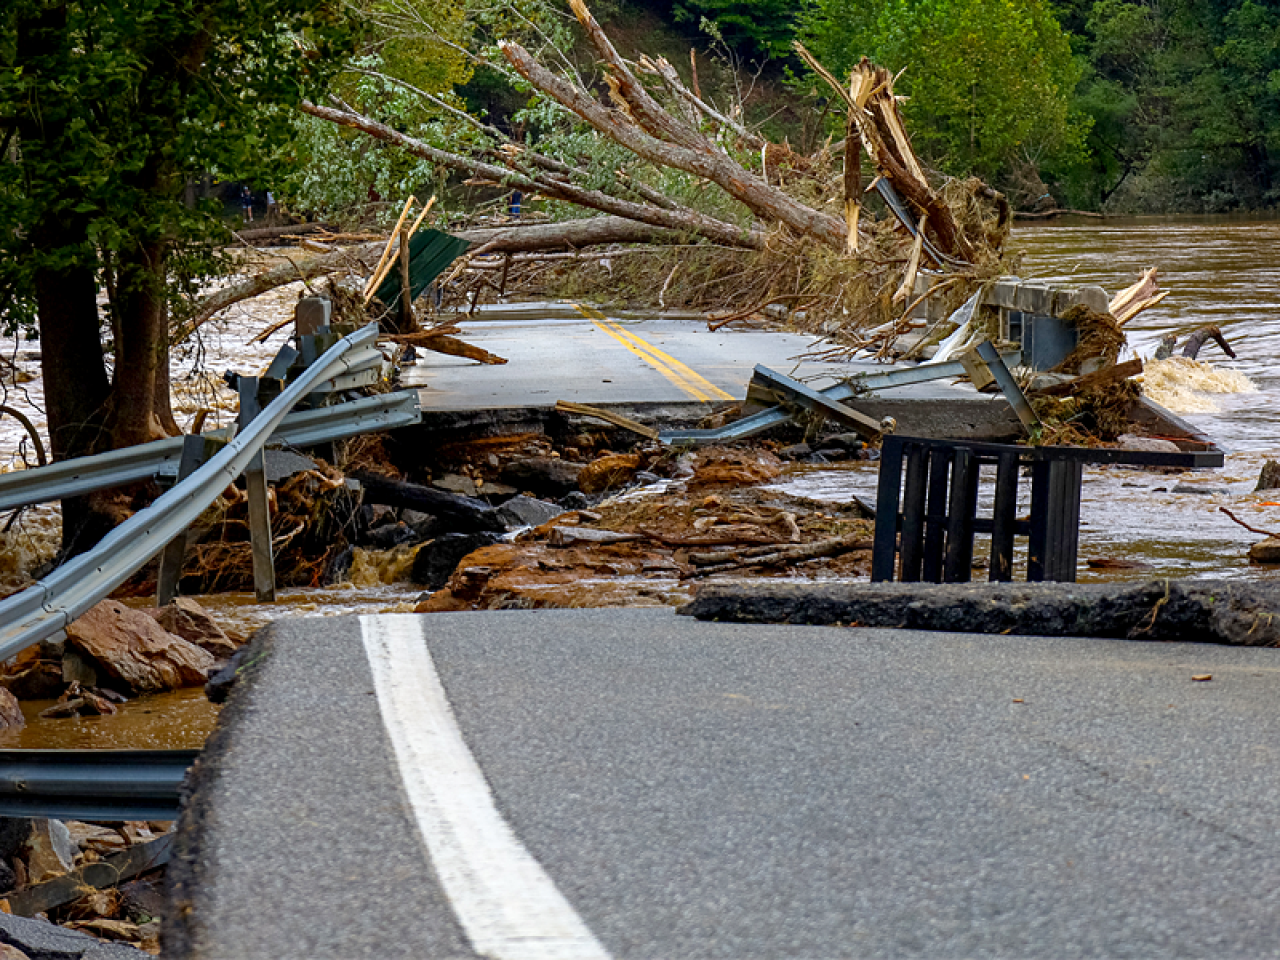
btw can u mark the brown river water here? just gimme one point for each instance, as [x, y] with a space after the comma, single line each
[1221, 271]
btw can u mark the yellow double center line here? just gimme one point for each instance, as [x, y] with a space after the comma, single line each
[687, 379]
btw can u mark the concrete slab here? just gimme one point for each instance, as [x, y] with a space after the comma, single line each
[558, 351]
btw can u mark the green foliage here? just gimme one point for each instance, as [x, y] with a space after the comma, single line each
[110, 107]
[764, 27]
[989, 82]
[1186, 100]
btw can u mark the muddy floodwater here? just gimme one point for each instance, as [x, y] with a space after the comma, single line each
[1225, 272]
[1219, 271]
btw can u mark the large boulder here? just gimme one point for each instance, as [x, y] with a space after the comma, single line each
[543, 476]
[131, 647]
[190, 621]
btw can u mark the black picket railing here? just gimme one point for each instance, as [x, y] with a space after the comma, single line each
[927, 506]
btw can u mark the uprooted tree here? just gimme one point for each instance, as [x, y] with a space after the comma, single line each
[785, 228]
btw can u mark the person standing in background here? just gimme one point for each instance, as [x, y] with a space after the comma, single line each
[246, 202]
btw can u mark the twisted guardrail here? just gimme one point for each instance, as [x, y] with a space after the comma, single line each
[48, 606]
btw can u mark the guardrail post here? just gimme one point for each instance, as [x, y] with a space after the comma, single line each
[194, 454]
[255, 475]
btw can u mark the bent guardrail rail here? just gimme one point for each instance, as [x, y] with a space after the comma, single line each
[48, 606]
[73, 478]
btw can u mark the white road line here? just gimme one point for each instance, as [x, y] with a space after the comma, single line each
[507, 905]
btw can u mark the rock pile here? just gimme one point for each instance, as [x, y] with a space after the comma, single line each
[111, 653]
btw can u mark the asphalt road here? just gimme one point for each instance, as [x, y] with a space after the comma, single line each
[556, 351]
[636, 784]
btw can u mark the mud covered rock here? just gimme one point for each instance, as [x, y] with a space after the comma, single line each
[1269, 478]
[34, 674]
[435, 562]
[542, 476]
[528, 512]
[1265, 551]
[190, 621]
[732, 467]
[10, 711]
[1128, 441]
[131, 647]
[1242, 614]
[608, 473]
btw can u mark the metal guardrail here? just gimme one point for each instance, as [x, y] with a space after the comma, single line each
[845, 390]
[73, 478]
[93, 784]
[48, 606]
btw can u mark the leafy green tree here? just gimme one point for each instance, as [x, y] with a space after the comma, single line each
[1185, 96]
[108, 108]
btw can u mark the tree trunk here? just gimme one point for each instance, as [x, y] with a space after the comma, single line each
[140, 288]
[163, 401]
[75, 375]
[683, 220]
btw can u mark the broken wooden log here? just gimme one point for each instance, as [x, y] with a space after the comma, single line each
[452, 346]
[1091, 381]
[1191, 349]
[1132, 300]
[288, 232]
[1235, 613]
[108, 872]
[792, 555]
[462, 514]
[608, 416]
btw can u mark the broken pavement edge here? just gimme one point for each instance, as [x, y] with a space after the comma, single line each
[1237, 614]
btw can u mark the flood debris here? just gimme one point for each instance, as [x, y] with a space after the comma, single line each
[1265, 551]
[1233, 613]
[1194, 343]
[641, 547]
[66, 887]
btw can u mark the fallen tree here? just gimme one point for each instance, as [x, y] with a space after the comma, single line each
[567, 234]
[789, 230]
[800, 237]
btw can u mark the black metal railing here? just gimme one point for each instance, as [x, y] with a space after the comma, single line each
[927, 506]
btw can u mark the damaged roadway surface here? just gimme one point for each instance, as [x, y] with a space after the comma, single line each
[556, 352]
[664, 787]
